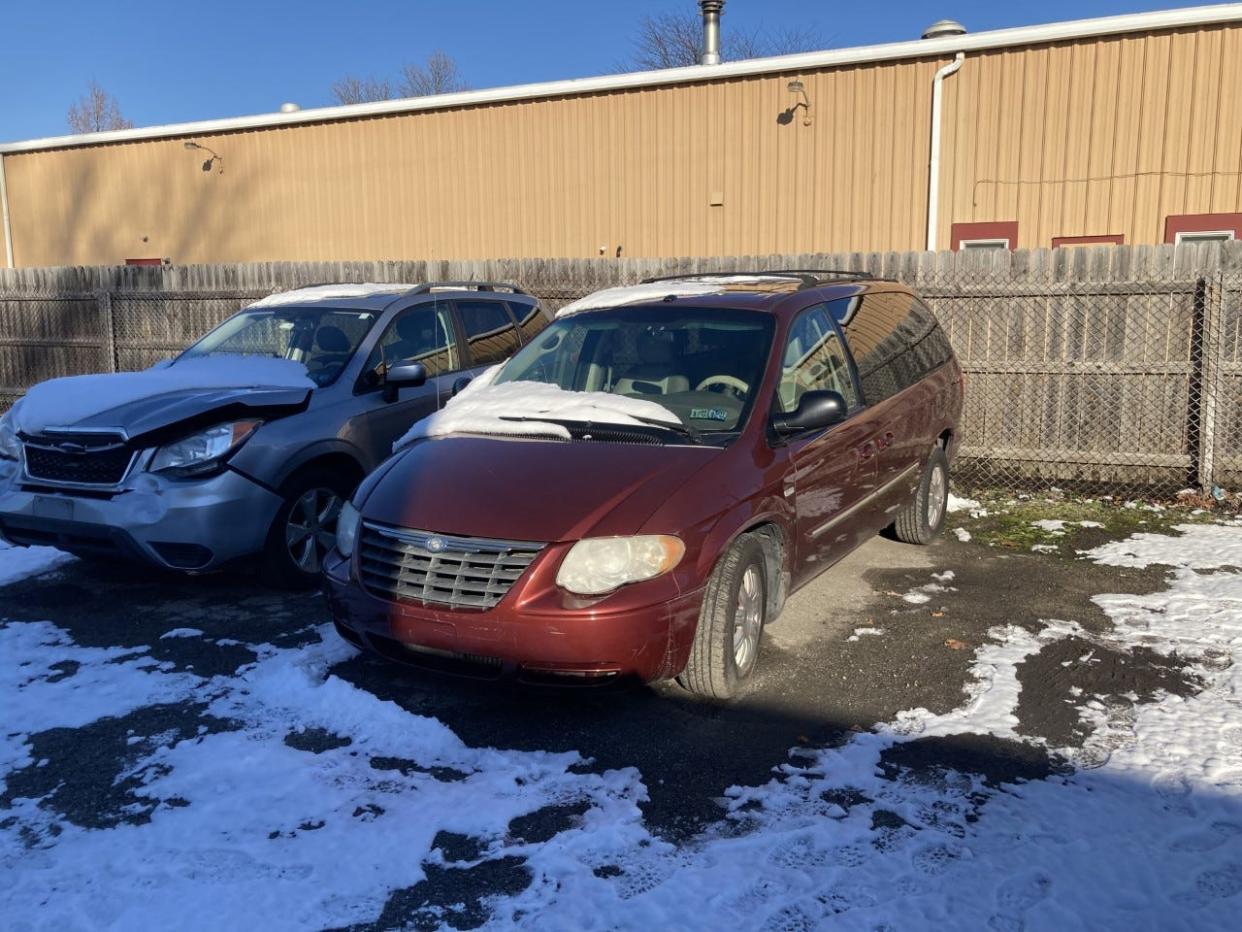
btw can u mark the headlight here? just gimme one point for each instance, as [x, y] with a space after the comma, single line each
[347, 524]
[201, 452]
[600, 564]
[10, 446]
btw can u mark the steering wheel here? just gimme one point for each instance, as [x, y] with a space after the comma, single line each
[736, 385]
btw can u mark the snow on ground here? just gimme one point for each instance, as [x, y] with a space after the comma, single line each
[962, 534]
[485, 407]
[328, 292]
[65, 401]
[19, 562]
[654, 292]
[245, 830]
[958, 503]
[860, 633]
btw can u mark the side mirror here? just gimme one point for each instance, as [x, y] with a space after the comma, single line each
[460, 383]
[404, 375]
[816, 410]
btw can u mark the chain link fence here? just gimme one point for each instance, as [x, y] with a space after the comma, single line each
[1119, 375]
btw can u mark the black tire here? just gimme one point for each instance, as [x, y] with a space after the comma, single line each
[280, 568]
[713, 668]
[924, 517]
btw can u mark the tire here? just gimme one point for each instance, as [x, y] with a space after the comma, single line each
[719, 666]
[924, 517]
[312, 502]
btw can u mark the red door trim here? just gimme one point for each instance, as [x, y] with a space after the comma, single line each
[1201, 223]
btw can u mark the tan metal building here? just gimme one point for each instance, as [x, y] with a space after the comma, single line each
[1122, 129]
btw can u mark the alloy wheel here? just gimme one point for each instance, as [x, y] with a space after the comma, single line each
[748, 619]
[936, 489]
[311, 529]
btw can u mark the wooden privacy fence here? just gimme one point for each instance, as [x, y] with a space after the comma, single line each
[1114, 368]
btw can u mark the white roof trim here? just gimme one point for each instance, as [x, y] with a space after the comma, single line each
[804, 61]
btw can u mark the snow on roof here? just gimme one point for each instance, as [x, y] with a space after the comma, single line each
[650, 292]
[63, 402]
[484, 408]
[328, 292]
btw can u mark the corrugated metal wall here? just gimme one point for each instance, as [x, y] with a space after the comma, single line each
[1154, 121]
[638, 169]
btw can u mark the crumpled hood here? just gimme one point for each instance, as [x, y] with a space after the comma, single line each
[194, 407]
[531, 490]
[188, 394]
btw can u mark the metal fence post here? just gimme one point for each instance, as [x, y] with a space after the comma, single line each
[104, 301]
[1212, 343]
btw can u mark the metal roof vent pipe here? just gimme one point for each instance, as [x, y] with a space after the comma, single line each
[943, 28]
[711, 31]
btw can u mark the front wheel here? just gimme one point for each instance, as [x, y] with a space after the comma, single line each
[304, 529]
[735, 605]
[924, 517]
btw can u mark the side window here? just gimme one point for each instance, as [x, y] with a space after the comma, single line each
[895, 341]
[489, 331]
[814, 360]
[421, 334]
[530, 319]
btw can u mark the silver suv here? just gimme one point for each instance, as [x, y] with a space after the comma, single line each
[191, 477]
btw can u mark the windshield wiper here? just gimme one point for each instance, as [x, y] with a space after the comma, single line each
[680, 429]
[683, 429]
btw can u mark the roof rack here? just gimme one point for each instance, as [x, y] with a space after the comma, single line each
[465, 286]
[810, 278]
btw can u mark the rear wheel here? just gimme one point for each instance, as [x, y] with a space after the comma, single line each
[735, 604]
[304, 529]
[924, 517]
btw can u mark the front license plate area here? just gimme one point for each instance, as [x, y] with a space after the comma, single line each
[52, 506]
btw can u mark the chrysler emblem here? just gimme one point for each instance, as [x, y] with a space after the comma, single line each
[436, 544]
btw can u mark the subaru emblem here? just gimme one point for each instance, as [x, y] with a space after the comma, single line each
[436, 544]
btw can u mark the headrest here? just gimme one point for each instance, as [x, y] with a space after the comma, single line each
[332, 339]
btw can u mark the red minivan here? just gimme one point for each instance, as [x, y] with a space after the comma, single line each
[639, 489]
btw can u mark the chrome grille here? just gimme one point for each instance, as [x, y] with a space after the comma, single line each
[78, 459]
[460, 572]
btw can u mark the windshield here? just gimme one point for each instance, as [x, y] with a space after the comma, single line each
[321, 339]
[704, 365]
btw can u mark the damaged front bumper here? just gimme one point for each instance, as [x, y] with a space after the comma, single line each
[194, 525]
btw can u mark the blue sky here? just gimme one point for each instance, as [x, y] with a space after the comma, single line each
[179, 60]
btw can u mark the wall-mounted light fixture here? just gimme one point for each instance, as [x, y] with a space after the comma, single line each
[210, 163]
[798, 89]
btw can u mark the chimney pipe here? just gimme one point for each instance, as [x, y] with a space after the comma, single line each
[711, 31]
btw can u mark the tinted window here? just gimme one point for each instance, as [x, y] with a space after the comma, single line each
[814, 360]
[489, 331]
[895, 341]
[530, 319]
[421, 334]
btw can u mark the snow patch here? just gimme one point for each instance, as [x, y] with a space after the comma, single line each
[328, 292]
[962, 534]
[21, 562]
[65, 401]
[860, 633]
[486, 408]
[182, 633]
[957, 503]
[1201, 547]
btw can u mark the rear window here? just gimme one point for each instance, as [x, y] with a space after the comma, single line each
[490, 333]
[895, 341]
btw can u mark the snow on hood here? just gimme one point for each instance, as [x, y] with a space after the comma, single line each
[481, 408]
[65, 401]
[649, 292]
[325, 292]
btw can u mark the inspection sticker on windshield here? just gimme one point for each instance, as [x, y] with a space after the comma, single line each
[708, 414]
